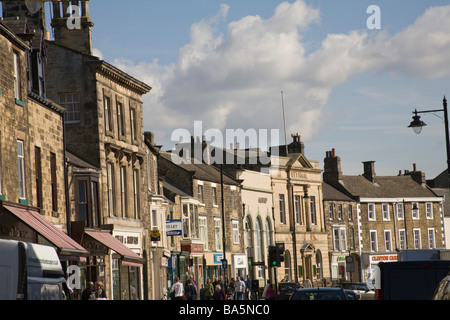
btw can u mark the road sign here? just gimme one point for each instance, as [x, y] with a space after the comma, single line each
[349, 264]
[224, 263]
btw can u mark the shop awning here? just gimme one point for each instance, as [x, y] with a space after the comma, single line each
[127, 255]
[65, 245]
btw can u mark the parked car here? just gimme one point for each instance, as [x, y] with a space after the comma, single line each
[286, 289]
[443, 289]
[351, 295]
[319, 294]
[362, 290]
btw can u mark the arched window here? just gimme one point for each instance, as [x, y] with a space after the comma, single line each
[259, 244]
[319, 270]
[248, 239]
[268, 233]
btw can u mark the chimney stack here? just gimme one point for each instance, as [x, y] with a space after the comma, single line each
[332, 168]
[417, 176]
[369, 170]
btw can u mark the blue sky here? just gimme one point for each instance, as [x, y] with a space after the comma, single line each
[345, 86]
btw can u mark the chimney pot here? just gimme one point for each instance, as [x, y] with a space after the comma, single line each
[333, 152]
[414, 166]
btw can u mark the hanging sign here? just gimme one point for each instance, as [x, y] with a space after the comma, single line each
[173, 227]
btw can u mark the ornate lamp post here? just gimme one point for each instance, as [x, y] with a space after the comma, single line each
[418, 124]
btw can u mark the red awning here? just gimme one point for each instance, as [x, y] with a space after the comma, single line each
[127, 255]
[65, 244]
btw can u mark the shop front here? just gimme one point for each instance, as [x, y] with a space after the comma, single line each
[239, 266]
[370, 263]
[194, 260]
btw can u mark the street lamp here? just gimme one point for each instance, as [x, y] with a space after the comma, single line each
[418, 124]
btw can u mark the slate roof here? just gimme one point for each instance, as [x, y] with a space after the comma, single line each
[330, 193]
[385, 187]
[202, 171]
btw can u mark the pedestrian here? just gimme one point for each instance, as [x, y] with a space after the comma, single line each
[240, 288]
[269, 293]
[248, 284]
[88, 293]
[218, 293]
[99, 293]
[190, 292]
[177, 290]
[209, 290]
[307, 283]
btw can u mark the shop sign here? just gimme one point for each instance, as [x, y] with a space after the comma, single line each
[218, 258]
[173, 227]
[383, 258]
[192, 248]
[155, 235]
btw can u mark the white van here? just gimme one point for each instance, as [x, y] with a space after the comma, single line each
[30, 271]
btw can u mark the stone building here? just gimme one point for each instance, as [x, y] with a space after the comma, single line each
[341, 224]
[298, 213]
[32, 167]
[104, 125]
[393, 212]
[196, 191]
[160, 208]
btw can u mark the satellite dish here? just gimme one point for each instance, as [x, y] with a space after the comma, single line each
[34, 5]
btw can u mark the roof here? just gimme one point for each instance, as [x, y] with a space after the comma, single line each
[330, 193]
[385, 187]
[79, 162]
[201, 171]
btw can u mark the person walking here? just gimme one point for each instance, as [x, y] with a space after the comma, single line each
[218, 293]
[177, 289]
[248, 284]
[240, 288]
[190, 292]
[209, 290]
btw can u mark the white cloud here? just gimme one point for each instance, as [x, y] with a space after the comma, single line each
[235, 81]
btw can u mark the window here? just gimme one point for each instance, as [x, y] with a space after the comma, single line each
[259, 244]
[193, 218]
[400, 212]
[133, 124]
[71, 102]
[371, 211]
[267, 229]
[203, 231]
[17, 93]
[86, 201]
[387, 240]
[155, 221]
[429, 210]
[416, 238]
[21, 169]
[352, 237]
[431, 239]
[120, 119]
[350, 212]
[110, 189]
[373, 240]
[415, 210]
[136, 193]
[339, 242]
[185, 219]
[282, 209]
[218, 234]
[214, 195]
[38, 175]
[200, 193]
[297, 208]
[340, 212]
[235, 225]
[123, 191]
[330, 211]
[385, 211]
[108, 114]
[53, 182]
[313, 210]
[402, 239]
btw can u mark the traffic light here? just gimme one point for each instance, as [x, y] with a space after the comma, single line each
[279, 254]
[272, 256]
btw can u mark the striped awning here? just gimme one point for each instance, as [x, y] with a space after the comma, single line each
[65, 245]
[127, 255]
